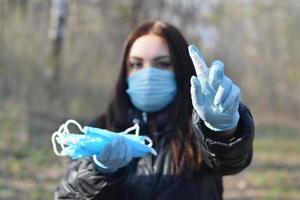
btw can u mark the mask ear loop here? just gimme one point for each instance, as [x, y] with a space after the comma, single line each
[63, 129]
[146, 138]
[135, 127]
[150, 143]
[53, 139]
[97, 162]
[72, 121]
[137, 132]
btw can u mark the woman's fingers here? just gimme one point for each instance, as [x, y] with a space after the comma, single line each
[223, 91]
[198, 60]
[232, 99]
[105, 154]
[216, 74]
[116, 154]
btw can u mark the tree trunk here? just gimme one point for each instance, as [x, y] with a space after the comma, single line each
[58, 18]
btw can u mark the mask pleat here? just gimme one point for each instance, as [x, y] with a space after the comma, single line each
[152, 89]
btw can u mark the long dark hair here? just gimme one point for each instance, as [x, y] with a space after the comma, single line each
[183, 143]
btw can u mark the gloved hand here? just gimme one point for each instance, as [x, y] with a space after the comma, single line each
[215, 97]
[115, 155]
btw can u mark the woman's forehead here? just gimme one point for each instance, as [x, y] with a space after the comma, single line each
[149, 47]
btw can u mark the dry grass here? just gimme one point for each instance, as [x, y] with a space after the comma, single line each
[275, 170]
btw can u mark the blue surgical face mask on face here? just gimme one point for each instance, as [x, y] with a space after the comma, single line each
[151, 89]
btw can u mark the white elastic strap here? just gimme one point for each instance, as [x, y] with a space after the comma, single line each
[58, 133]
[150, 143]
[135, 127]
[72, 121]
[54, 135]
[63, 129]
[97, 162]
[146, 138]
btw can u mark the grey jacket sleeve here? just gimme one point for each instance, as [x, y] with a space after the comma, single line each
[83, 181]
[226, 154]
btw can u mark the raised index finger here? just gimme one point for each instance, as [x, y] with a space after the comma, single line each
[198, 61]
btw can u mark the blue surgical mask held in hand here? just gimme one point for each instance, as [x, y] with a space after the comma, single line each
[214, 96]
[109, 150]
[151, 89]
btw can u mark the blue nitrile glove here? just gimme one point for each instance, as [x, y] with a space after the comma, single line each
[115, 155]
[214, 96]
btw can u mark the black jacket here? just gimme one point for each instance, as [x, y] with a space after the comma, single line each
[151, 178]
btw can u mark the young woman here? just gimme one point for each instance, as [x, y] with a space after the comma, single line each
[199, 136]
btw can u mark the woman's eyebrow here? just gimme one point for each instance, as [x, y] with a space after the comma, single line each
[135, 57]
[162, 57]
[154, 60]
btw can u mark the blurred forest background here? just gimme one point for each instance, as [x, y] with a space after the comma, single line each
[57, 64]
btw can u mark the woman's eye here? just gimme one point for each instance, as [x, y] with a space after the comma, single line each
[136, 65]
[163, 65]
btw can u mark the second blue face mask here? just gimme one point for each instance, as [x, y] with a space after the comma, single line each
[151, 89]
[93, 141]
